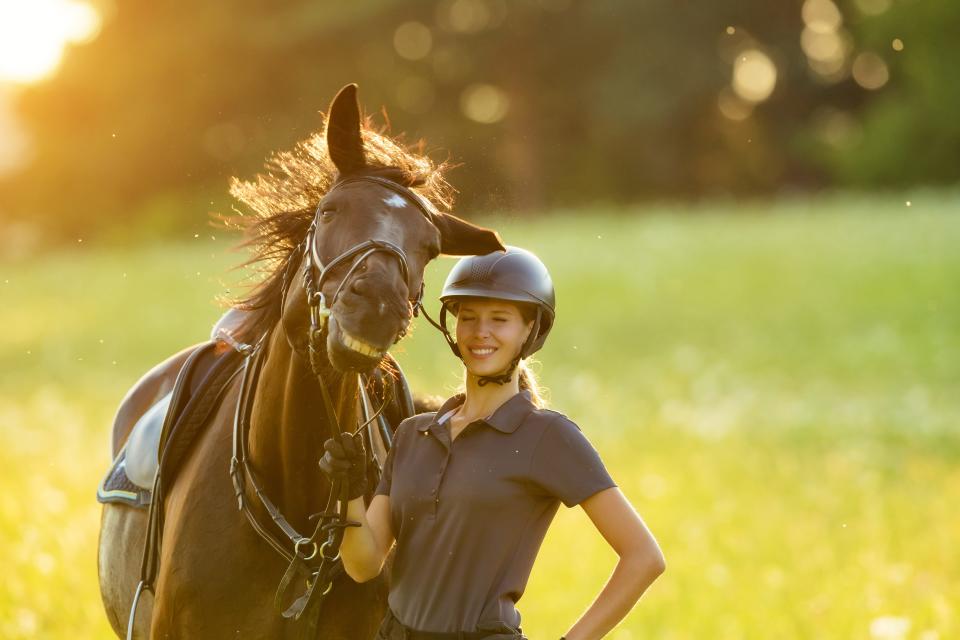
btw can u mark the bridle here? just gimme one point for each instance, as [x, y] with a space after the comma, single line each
[315, 272]
[319, 562]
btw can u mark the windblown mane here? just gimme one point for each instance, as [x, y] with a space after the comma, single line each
[282, 202]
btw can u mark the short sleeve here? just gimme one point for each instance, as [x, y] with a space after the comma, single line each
[566, 465]
[386, 477]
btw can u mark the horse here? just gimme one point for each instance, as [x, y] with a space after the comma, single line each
[344, 226]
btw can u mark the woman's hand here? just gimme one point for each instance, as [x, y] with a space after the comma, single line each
[345, 459]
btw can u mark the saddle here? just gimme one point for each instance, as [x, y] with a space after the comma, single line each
[162, 436]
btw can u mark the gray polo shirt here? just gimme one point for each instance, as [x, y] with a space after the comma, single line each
[470, 515]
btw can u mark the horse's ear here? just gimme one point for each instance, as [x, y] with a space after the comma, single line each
[343, 131]
[460, 238]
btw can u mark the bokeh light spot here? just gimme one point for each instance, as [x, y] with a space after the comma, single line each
[412, 40]
[897, 44]
[821, 16]
[484, 103]
[870, 71]
[754, 75]
[732, 107]
[465, 16]
[873, 7]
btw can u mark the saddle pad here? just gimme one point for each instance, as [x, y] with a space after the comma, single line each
[116, 486]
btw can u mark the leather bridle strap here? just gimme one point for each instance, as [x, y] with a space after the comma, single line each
[315, 272]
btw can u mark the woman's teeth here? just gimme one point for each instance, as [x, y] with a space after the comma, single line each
[483, 352]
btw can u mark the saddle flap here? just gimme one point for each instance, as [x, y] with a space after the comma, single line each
[143, 444]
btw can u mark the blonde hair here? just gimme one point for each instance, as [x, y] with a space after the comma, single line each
[528, 382]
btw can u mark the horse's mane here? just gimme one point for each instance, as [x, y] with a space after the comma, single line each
[281, 203]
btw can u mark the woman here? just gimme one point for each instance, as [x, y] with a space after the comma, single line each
[468, 492]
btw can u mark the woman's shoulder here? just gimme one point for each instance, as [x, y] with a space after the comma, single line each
[552, 419]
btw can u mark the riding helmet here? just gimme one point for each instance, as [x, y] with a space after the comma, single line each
[516, 275]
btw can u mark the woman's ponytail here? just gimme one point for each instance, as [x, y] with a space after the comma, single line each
[528, 382]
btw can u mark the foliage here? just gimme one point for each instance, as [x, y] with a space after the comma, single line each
[610, 101]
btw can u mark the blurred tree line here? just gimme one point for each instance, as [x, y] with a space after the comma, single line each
[547, 103]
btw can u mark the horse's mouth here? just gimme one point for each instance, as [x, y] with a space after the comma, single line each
[360, 346]
[347, 351]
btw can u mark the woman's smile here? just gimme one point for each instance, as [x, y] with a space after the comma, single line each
[482, 352]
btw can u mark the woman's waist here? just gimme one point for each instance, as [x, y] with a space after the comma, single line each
[393, 629]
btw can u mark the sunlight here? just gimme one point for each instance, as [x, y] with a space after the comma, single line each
[33, 36]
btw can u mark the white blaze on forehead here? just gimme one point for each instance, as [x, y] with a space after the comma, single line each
[395, 201]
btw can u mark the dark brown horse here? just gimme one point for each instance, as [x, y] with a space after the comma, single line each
[217, 577]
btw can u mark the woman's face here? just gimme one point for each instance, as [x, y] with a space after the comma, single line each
[490, 334]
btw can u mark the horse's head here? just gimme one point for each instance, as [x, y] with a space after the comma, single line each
[364, 258]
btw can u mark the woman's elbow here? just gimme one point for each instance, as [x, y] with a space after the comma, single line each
[648, 562]
[656, 563]
[362, 573]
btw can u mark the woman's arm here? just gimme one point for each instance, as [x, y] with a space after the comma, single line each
[365, 548]
[641, 561]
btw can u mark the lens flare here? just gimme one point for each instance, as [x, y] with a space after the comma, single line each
[33, 36]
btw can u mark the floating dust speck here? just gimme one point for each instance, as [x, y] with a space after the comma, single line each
[731, 30]
[909, 204]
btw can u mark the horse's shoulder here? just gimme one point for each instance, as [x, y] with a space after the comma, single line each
[150, 388]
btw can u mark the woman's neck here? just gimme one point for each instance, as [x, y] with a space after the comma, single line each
[481, 401]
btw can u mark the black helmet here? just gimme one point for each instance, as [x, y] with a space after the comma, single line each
[516, 275]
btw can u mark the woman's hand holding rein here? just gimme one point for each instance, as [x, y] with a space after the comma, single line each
[344, 459]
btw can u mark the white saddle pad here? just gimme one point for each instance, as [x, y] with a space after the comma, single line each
[142, 455]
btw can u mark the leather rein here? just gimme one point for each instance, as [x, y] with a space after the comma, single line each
[308, 556]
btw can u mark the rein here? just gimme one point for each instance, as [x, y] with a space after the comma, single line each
[301, 552]
[332, 521]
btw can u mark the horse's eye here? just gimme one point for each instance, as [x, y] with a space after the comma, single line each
[327, 214]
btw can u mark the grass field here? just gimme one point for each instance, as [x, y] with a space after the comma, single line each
[774, 387]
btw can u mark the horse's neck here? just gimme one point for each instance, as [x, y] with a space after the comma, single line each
[288, 426]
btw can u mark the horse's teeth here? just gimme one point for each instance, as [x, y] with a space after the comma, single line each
[359, 346]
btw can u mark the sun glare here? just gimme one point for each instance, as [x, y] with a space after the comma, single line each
[34, 33]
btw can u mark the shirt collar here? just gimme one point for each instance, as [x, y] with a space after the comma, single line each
[505, 419]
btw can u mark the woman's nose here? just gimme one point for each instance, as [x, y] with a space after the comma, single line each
[483, 328]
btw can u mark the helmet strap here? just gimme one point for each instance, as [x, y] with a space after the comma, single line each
[442, 327]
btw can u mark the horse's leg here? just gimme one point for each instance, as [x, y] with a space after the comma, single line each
[123, 528]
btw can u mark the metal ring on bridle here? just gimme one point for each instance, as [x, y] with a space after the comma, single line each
[296, 548]
[324, 555]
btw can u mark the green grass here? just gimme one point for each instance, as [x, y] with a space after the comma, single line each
[774, 387]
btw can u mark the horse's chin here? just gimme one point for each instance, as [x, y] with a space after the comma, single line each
[349, 352]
